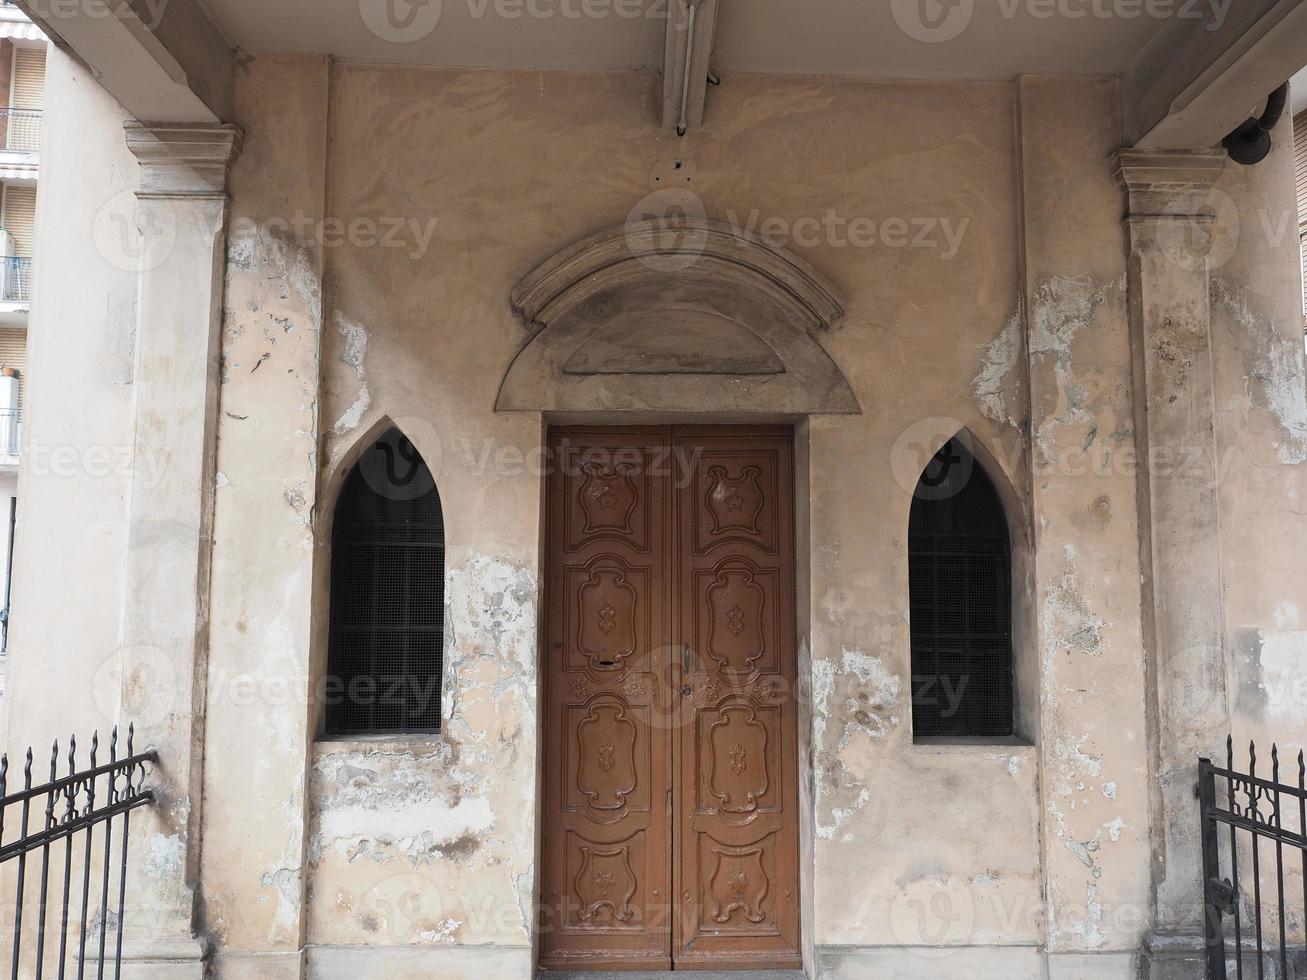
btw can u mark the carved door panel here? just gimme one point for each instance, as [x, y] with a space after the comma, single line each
[606, 874]
[736, 751]
[670, 755]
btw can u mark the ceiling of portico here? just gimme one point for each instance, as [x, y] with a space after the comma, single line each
[944, 39]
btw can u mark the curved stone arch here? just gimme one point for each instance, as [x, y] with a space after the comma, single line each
[701, 318]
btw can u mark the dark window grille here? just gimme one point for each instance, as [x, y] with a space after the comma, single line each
[960, 601]
[386, 651]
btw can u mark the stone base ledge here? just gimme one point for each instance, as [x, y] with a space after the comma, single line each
[427, 962]
[237, 965]
[929, 963]
[171, 959]
[1107, 965]
[972, 963]
[1183, 956]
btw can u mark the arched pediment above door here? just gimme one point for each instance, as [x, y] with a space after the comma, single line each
[701, 318]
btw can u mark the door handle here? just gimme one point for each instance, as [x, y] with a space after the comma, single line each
[687, 662]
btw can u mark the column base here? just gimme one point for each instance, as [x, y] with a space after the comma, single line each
[1183, 956]
[1174, 956]
[1105, 965]
[236, 965]
[166, 959]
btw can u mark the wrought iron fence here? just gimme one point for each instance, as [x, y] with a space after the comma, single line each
[15, 278]
[68, 810]
[21, 129]
[1257, 824]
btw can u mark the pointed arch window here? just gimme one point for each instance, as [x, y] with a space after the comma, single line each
[960, 597]
[385, 652]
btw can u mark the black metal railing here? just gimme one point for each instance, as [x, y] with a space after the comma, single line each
[54, 933]
[15, 278]
[1260, 824]
[21, 129]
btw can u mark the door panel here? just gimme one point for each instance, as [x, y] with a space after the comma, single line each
[736, 744]
[607, 758]
[671, 824]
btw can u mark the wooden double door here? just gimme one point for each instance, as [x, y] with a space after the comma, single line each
[670, 758]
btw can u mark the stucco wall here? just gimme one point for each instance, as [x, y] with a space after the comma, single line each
[423, 336]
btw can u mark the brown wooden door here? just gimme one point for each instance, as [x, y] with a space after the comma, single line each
[736, 753]
[670, 763]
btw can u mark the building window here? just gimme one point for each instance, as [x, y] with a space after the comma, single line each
[386, 646]
[960, 587]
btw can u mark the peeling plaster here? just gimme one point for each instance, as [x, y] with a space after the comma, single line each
[1068, 625]
[287, 883]
[448, 807]
[354, 354]
[165, 856]
[859, 693]
[1000, 359]
[1273, 369]
[1063, 306]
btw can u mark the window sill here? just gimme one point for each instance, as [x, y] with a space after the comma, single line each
[967, 743]
[415, 742]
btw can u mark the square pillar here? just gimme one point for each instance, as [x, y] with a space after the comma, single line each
[180, 213]
[1169, 221]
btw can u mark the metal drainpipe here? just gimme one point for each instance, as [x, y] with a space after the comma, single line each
[1250, 142]
[682, 123]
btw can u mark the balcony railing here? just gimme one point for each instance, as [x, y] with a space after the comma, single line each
[15, 278]
[20, 129]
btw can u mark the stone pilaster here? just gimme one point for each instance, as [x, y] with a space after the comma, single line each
[1169, 218]
[181, 215]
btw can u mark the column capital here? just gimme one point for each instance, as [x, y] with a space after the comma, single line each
[1170, 207]
[1169, 183]
[184, 160]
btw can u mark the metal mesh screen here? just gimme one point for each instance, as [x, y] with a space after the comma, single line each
[386, 651]
[959, 583]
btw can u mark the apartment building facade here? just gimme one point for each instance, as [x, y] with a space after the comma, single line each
[22, 113]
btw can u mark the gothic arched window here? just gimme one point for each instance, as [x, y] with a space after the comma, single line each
[960, 598]
[386, 648]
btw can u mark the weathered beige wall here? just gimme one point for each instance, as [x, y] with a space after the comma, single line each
[77, 468]
[259, 673]
[1093, 679]
[1261, 434]
[424, 337]
[1261, 401]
